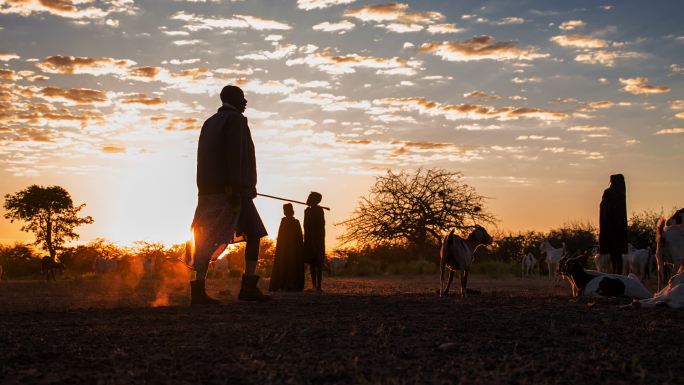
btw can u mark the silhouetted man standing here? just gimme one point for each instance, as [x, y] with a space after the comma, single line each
[226, 183]
[314, 239]
[613, 222]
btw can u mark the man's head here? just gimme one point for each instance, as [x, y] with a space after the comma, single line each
[234, 96]
[314, 199]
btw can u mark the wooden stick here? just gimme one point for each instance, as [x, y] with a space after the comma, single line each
[288, 200]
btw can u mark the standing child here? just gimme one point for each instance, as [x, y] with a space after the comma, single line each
[288, 265]
[314, 238]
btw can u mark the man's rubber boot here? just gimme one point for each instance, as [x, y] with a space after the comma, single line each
[199, 295]
[249, 290]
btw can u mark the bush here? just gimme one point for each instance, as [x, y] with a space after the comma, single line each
[19, 261]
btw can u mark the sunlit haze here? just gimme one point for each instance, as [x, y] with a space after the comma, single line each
[535, 102]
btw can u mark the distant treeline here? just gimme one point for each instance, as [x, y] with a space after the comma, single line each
[22, 261]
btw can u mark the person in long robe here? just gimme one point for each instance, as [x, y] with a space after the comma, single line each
[288, 265]
[314, 239]
[613, 222]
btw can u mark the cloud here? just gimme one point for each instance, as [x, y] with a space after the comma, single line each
[588, 128]
[198, 22]
[7, 56]
[327, 102]
[509, 21]
[537, 137]
[670, 131]
[189, 42]
[677, 104]
[58, 64]
[308, 5]
[469, 111]
[443, 28]
[579, 41]
[280, 52]
[607, 58]
[481, 95]
[8, 75]
[327, 62]
[395, 17]
[480, 48]
[638, 86]
[113, 149]
[341, 27]
[142, 99]
[182, 124]
[572, 24]
[71, 9]
[78, 96]
[676, 69]
[519, 80]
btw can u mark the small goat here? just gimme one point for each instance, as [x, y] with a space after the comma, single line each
[528, 262]
[596, 284]
[669, 247]
[458, 254]
[636, 261]
[553, 256]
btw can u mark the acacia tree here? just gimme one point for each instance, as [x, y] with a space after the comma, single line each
[417, 208]
[49, 213]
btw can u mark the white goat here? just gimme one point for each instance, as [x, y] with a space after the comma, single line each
[636, 261]
[553, 256]
[528, 263]
[597, 284]
[671, 296]
[669, 248]
[458, 254]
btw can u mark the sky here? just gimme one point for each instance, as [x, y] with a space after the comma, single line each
[535, 102]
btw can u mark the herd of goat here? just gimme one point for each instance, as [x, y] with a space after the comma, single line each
[457, 254]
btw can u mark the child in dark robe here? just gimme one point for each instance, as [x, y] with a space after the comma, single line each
[314, 238]
[288, 266]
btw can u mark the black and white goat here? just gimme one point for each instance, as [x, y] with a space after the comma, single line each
[671, 296]
[592, 283]
[458, 254]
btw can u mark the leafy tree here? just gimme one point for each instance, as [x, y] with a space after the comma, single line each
[49, 213]
[578, 237]
[641, 229]
[415, 208]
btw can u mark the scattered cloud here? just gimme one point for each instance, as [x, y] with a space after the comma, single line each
[341, 27]
[509, 21]
[330, 63]
[58, 64]
[571, 24]
[195, 22]
[533, 79]
[676, 69]
[579, 41]
[480, 48]
[436, 29]
[607, 58]
[396, 17]
[638, 86]
[481, 95]
[670, 131]
[113, 149]
[308, 5]
[81, 10]
[79, 96]
[588, 128]
[280, 52]
[7, 56]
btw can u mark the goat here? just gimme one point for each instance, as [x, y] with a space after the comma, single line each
[636, 261]
[48, 267]
[553, 256]
[592, 283]
[676, 219]
[671, 296]
[458, 254]
[528, 263]
[669, 247]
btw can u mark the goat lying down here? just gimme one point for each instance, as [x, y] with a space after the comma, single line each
[592, 283]
[671, 296]
[458, 254]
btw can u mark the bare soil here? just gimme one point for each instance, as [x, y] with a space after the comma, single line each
[387, 330]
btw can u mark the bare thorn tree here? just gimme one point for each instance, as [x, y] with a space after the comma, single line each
[417, 208]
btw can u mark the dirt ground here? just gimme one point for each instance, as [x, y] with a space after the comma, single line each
[387, 330]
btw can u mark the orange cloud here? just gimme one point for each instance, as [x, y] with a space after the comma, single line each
[198, 22]
[607, 58]
[579, 41]
[670, 131]
[481, 95]
[572, 24]
[143, 99]
[638, 86]
[480, 48]
[80, 96]
[182, 124]
[84, 65]
[113, 149]
[7, 56]
[392, 12]
[8, 75]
